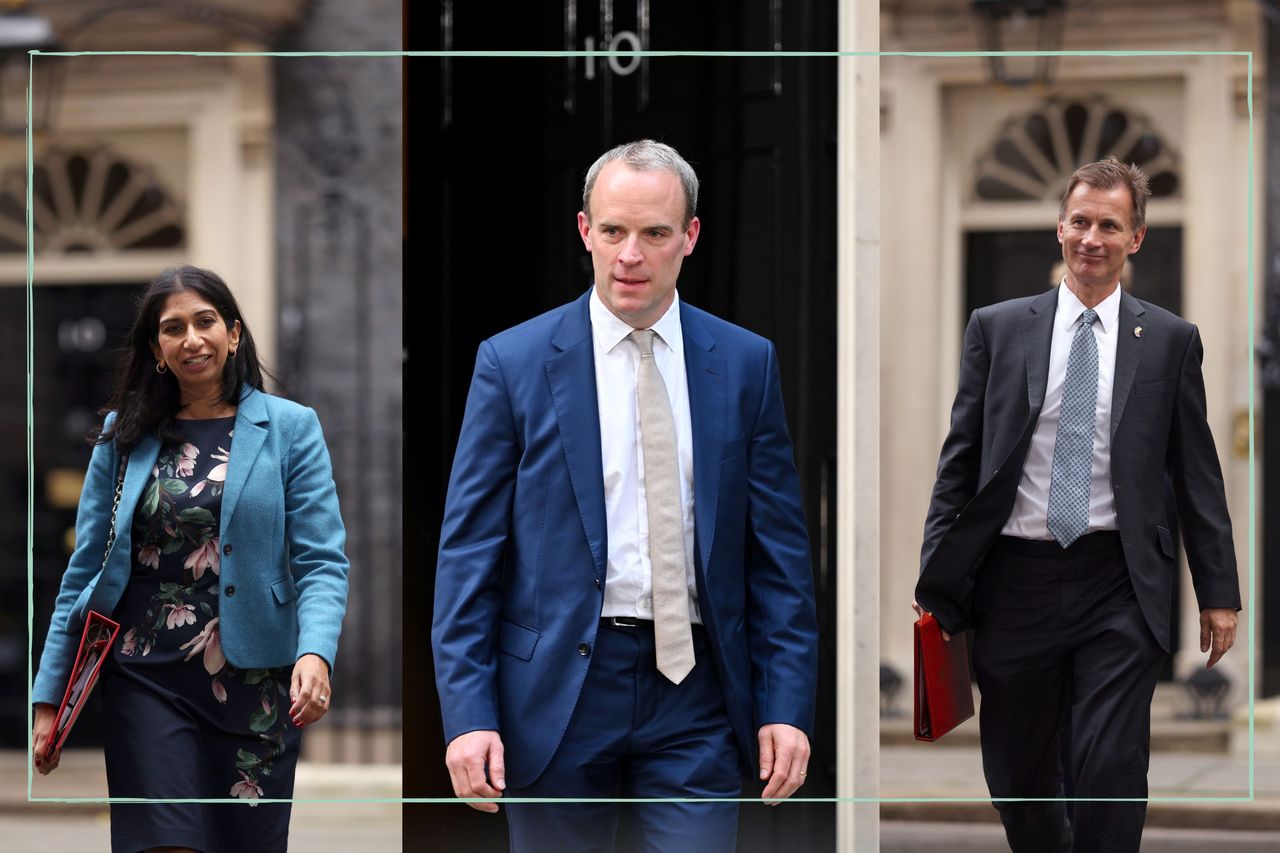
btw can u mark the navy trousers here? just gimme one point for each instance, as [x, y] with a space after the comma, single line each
[634, 734]
[159, 747]
[1067, 667]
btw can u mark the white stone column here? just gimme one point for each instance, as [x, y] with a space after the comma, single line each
[918, 349]
[858, 433]
[1214, 298]
[230, 206]
[255, 228]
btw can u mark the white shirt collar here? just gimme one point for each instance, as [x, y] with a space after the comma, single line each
[610, 331]
[1070, 308]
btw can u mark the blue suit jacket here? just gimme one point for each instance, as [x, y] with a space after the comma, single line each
[282, 544]
[521, 572]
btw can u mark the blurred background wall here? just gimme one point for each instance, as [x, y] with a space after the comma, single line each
[283, 175]
[975, 156]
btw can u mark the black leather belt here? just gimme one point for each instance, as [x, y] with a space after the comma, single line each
[1096, 541]
[626, 622]
[633, 623]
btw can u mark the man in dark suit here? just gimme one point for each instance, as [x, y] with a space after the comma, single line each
[624, 600]
[1049, 534]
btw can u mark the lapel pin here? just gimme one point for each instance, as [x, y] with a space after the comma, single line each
[1137, 331]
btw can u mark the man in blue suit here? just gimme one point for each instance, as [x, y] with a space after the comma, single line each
[624, 599]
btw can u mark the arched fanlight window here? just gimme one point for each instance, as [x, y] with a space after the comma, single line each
[89, 200]
[1034, 153]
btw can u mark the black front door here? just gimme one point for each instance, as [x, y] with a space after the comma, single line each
[75, 332]
[495, 159]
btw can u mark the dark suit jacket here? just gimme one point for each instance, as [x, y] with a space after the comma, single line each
[1158, 431]
[521, 570]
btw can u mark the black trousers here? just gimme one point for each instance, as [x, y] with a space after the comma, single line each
[1067, 666]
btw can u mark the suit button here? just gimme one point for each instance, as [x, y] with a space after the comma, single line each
[584, 649]
[226, 549]
[229, 590]
[597, 583]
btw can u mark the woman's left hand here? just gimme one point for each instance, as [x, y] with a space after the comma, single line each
[309, 690]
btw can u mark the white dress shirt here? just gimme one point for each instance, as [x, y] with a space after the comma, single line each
[1029, 519]
[628, 587]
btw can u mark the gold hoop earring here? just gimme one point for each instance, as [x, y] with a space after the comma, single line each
[161, 367]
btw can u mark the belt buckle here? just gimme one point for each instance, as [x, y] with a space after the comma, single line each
[623, 621]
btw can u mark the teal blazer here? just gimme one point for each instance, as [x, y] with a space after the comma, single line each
[283, 570]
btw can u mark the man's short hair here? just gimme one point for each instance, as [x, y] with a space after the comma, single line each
[1107, 174]
[645, 155]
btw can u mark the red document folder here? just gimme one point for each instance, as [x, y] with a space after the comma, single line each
[95, 644]
[944, 698]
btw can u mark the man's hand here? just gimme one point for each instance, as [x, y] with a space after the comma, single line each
[920, 612]
[784, 760]
[1217, 632]
[467, 758]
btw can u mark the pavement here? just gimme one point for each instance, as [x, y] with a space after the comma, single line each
[899, 837]
[317, 827]
[1202, 778]
[1206, 793]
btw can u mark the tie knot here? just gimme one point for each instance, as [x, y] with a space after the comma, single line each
[1089, 317]
[643, 338]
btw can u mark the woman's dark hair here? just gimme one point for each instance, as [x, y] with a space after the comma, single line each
[146, 401]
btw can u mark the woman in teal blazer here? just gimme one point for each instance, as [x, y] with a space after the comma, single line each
[227, 576]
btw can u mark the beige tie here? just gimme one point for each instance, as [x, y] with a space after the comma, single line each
[673, 636]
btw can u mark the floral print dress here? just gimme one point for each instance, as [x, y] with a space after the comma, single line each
[182, 721]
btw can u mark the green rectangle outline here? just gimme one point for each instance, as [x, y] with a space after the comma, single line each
[554, 54]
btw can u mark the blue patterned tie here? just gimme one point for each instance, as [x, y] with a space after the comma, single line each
[1073, 451]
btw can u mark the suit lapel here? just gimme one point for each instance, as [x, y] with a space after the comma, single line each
[705, 373]
[1037, 334]
[250, 435]
[1128, 355]
[571, 378]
